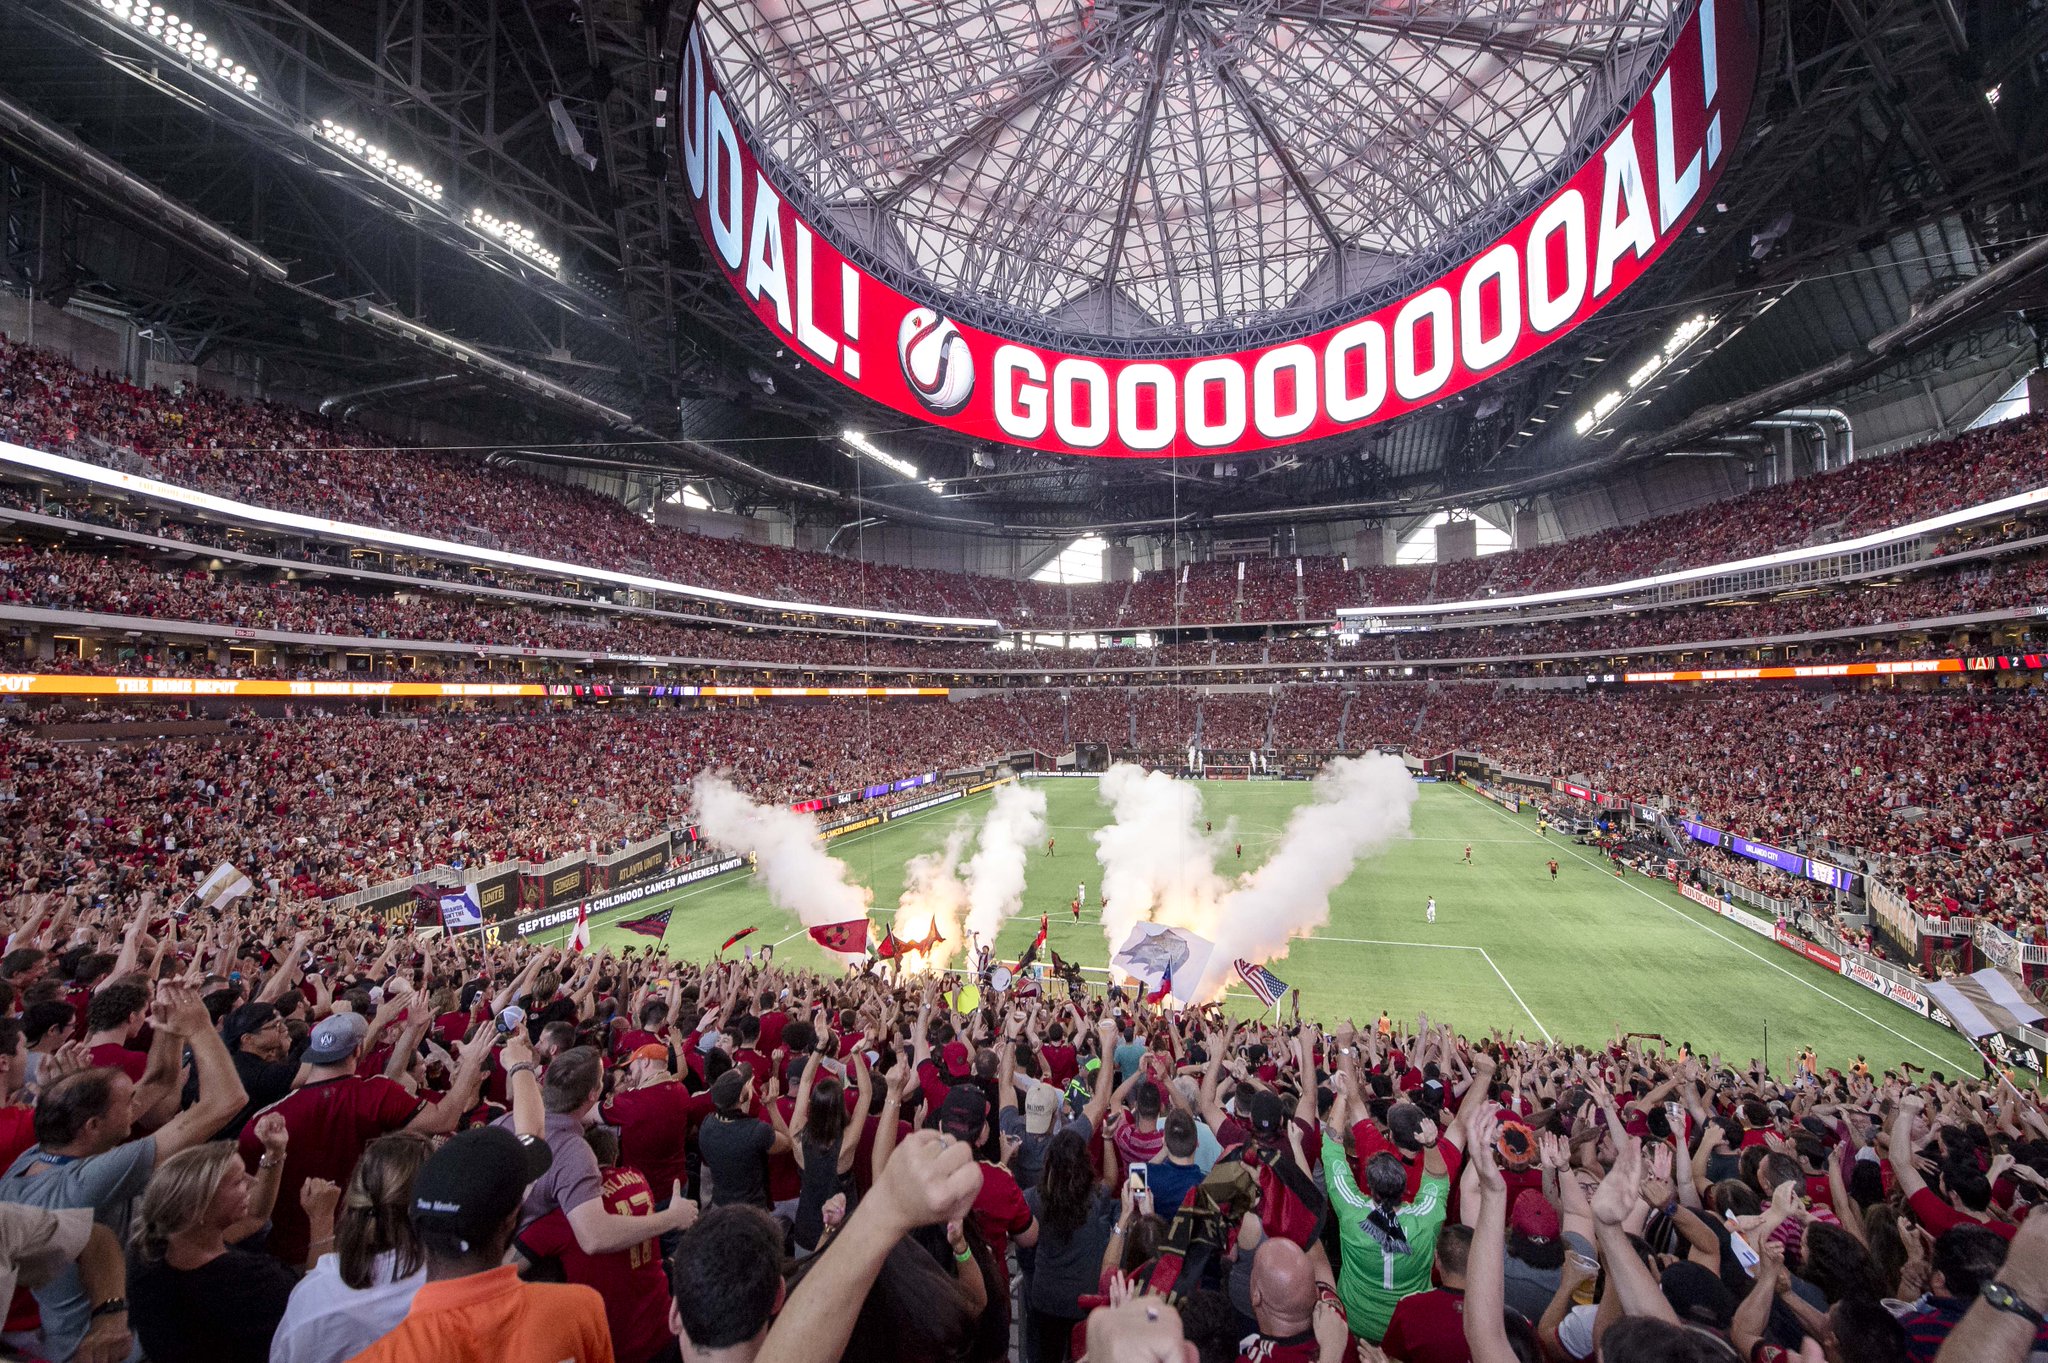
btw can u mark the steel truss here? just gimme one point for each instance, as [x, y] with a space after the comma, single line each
[1164, 175]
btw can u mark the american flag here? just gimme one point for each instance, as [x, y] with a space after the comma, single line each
[1261, 981]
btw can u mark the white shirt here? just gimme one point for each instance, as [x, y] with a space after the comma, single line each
[327, 1321]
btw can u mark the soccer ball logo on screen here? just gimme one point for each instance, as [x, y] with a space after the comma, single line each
[936, 363]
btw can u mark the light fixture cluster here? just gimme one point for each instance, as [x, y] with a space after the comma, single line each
[406, 176]
[178, 37]
[517, 239]
[1690, 330]
[891, 462]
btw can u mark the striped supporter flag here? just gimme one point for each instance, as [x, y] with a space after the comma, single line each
[1261, 981]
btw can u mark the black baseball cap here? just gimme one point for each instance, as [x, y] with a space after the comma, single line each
[471, 1185]
[1269, 1115]
[241, 1021]
[964, 1112]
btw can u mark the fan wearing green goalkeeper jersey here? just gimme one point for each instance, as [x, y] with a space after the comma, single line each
[1389, 1240]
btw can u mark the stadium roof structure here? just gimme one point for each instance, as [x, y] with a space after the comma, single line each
[1118, 174]
[1174, 168]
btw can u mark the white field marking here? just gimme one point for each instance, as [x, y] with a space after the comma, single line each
[1444, 946]
[1475, 842]
[1517, 993]
[1381, 942]
[1571, 849]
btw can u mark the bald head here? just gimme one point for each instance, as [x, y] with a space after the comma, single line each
[1283, 1289]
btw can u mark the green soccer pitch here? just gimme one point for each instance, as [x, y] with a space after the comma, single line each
[1509, 948]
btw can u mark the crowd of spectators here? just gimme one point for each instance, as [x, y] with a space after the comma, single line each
[281, 456]
[1236, 721]
[251, 1133]
[1725, 866]
[69, 579]
[2018, 588]
[1305, 717]
[64, 578]
[1162, 718]
[323, 804]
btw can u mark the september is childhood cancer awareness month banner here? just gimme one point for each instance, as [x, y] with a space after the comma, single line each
[1571, 257]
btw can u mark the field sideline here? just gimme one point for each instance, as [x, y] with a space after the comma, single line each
[1509, 949]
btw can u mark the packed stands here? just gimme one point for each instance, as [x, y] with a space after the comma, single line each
[1306, 717]
[1163, 718]
[278, 456]
[1235, 721]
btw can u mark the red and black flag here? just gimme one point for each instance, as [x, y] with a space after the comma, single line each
[931, 939]
[848, 939]
[888, 949]
[654, 925]
[1037, 945]
[743, 932]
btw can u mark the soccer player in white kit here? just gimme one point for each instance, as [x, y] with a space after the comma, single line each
[1081, 893]
[1430, 913]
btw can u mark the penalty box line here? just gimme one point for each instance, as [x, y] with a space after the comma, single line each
[1484, 955]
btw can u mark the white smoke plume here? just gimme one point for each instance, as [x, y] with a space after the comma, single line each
[1164, 867]
[790, 857]
[1015, 823]
[1157, 863]
[1357, 806]
[934, 896]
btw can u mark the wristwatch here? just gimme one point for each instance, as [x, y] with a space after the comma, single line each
[113, 1306]
[2002, 1298]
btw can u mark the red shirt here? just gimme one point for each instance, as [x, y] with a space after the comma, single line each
[1062, 1065]
[1937, 1216]
[864, 1158]
[631, 1281]
[1134, 1145]
[631, 1041]
[1367, 1140]
[655, 1124]
[1428, 1327]
[999, 1210]
[756, 1061]
[79, 999]
[453, 1026]
[933, 1084]
[109, 1055]
[330, 1121]
[772, 1023]
[17, 1132]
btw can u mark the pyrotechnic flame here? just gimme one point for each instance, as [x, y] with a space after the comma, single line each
[1158, 864]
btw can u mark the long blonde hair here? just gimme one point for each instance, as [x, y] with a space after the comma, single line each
[179, 1193]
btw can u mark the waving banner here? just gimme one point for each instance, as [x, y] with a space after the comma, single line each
[1571, 257]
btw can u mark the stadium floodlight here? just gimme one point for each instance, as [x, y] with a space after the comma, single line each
[514, 237]
[367, 153]
[178, 37]
[894, 464]
[1688, 331]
